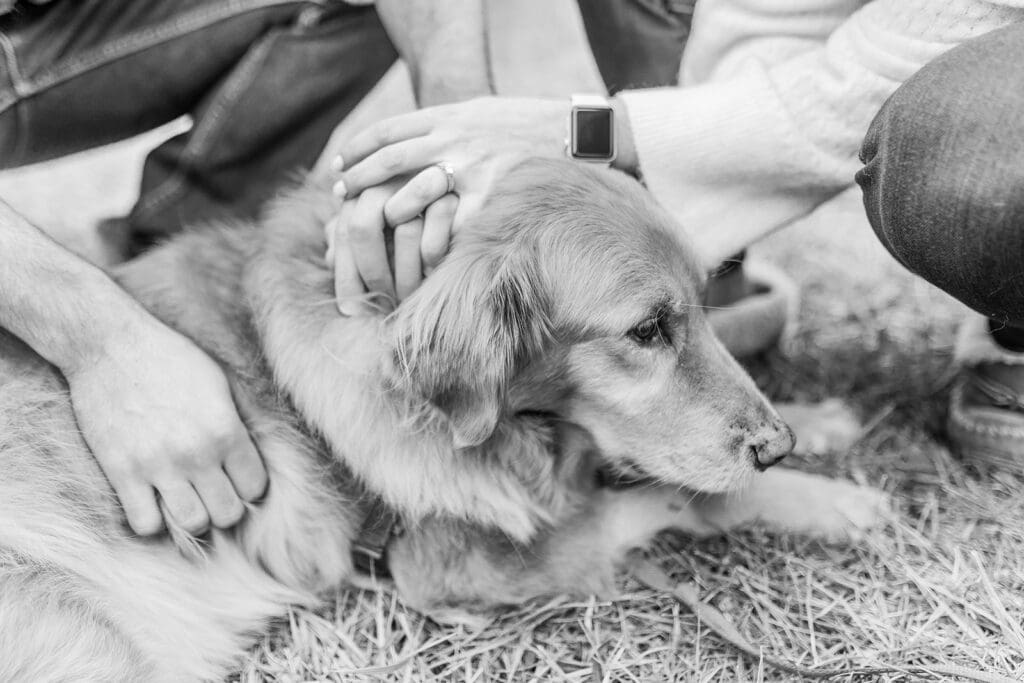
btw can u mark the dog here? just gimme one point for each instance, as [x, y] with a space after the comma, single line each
[560, 340]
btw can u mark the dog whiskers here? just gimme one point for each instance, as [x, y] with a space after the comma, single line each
[703, 307]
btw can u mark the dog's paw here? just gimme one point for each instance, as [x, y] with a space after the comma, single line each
[826, 427]
[843, 511]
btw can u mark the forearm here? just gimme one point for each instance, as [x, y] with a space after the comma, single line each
[60, 305]
[444, 44]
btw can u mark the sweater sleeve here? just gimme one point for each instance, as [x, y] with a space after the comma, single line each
[776, 130]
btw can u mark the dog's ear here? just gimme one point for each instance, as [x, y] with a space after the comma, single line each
[461, 337]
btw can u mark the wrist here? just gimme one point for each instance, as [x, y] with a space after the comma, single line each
[106, 318]
[433, 88]
[626, 158]
[539, 126]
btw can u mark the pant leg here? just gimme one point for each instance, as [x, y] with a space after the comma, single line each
[943, 178]
[79, 74]
[264, 121]
[265, 81]
[637, 43]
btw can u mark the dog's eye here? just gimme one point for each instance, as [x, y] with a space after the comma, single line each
[646, 332]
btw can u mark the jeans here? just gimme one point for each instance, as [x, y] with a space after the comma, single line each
[637, 43]
[265, 82]
[943, 174]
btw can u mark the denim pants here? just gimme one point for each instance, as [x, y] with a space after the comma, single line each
[265, 82]
[637, 43]
[943, 174]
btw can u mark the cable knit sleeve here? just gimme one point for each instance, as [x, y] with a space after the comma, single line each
[775, 128]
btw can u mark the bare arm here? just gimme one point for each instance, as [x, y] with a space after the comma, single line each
[444, 45]
[156, 412]
[60, 305]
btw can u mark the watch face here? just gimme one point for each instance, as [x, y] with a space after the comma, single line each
[594, 134]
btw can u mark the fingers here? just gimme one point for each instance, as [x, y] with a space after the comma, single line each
[347, 283]
[467, 208]
[331, 230]
[402, 158]
[185, 507]
[244, 467]
[382, 134]
[356, 241]
[139, 503]
[220, 499]
[408, 267]
[413, 198]
[366, 241]
[193, 502]
[437, 231]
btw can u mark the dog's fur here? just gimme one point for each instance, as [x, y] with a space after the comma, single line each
[480, 409]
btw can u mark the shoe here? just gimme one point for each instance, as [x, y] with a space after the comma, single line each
[752, 307]
[986, 407]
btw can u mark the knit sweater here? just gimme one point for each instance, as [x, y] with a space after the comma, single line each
[775, 99]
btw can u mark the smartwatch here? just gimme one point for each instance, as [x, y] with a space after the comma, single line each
[591, 129]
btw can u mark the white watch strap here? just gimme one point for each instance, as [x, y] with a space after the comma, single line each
[589, 101]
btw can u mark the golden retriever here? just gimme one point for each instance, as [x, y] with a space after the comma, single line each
[562, 335]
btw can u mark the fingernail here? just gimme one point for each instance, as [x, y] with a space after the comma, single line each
[337, 164]
[339, 189]
[344, 310]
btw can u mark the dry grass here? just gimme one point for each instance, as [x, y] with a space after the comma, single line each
[942, 585]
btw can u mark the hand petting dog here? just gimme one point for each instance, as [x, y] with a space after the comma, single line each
[167, 429]
[439, 163]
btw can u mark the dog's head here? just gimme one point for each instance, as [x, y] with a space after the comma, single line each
[575, 295]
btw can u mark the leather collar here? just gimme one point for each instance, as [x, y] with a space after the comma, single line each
[369, 549]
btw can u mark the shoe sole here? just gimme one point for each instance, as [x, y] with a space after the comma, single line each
[979, 440]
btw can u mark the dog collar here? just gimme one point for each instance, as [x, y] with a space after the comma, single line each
[369, 550]
[607, 479]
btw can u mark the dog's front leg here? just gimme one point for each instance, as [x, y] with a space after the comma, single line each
[779, 499]
[631, 517]
[796, 502]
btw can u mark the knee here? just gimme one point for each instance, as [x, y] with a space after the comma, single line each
[942, 176]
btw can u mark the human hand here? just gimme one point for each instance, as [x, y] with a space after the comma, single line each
[357, 247]
[157, 414]
[479, 139]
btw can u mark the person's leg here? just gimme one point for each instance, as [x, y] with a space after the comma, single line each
[943, 178]
[637, 43]
[264, 121]
[76, 75]
[943, 185]
[265, 82]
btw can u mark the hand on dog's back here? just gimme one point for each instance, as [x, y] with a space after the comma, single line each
[157, 414]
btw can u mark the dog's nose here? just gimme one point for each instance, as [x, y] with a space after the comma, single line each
[769, 449]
